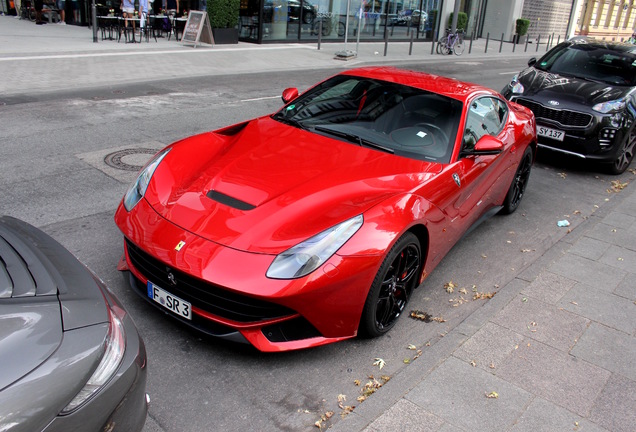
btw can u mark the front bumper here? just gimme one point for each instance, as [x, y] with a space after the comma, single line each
[594, 139]
[230, 295]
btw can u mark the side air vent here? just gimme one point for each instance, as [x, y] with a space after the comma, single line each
[229, 201]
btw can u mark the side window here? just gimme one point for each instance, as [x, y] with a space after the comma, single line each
[486, 116]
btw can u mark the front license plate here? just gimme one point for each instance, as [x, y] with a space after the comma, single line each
[170, 301]
[554, 134]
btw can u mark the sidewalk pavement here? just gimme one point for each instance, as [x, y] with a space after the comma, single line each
[554, 350]
[48, 58]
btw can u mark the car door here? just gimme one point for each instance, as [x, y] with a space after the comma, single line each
[477, 176]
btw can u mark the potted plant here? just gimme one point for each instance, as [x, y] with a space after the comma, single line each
[521, 29]
[462, 20]
[224, 16]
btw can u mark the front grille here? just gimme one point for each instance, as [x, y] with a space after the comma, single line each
[563, 117]
[204, 295]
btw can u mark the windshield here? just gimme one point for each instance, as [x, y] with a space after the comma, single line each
[591, 62]
[384, 116]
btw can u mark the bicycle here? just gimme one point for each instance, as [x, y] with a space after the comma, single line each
[27, 11]
[451, 43]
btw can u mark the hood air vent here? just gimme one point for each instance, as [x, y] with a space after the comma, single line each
[229, 201]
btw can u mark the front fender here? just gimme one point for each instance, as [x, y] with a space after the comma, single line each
[386, 222]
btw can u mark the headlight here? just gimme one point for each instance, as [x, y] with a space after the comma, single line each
[113, 354]
[610, 107]
[307, 256]
[515, 86]
[138, 188]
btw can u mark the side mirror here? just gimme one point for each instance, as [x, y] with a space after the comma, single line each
[532, 61]
[488, 145]
[289, 94]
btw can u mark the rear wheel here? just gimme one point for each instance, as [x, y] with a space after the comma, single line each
[519, 183]
[625, 154]
[392, 287]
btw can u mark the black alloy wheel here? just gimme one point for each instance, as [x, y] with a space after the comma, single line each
[625, 154]
[392, 287]
[519, 183]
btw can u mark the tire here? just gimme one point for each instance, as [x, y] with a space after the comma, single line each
[519, 183]
[392, 287]
[458, 49]
[438, 48]
[625, 154]
[308, 17]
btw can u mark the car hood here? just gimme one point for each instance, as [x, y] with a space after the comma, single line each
[544, 87]
[44, 291]
[264, 186]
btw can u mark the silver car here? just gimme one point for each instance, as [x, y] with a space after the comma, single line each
[71, 357]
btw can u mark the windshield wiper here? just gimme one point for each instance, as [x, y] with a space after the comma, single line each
[289, 121]
[354, 139]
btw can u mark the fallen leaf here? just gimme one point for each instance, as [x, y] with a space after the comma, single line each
[438, 319]
[527, 250]
[341, 398]
[563, 175]
[412, 347]
[484, 296]
[463, 291]
[525, 299]
[574, 303]
[379, 362]
[419, 315]
[407, 360]
[472, 363]
[491, 365]
[449, 287]
[346, 411]
[492, 395]
[356, 382]
[419, 353]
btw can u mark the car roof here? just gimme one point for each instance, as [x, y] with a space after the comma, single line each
[610, 45]
[449, 87]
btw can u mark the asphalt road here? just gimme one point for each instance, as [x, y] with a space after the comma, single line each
[52, 174]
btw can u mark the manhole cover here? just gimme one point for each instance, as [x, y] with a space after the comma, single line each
[129, 159]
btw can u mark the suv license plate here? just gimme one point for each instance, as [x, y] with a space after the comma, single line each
[169, 301]
[554, 134]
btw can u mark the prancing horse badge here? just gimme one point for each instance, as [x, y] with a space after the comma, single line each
[457, 180]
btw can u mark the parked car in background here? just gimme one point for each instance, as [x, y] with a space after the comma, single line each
[72, 359]
[583, 95]
[317, 223]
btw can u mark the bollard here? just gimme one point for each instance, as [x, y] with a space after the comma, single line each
[386, 40]
[432, 46]
[527, 40]
[392, 28]
[501, 42]
[470, 45]
[319, 33]
[549, 42]
[411, 45]
[538, 42]
[487, 39]
[559, 39]
[514, 42]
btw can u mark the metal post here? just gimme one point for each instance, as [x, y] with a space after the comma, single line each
[392, 28]
[94, 19]
[547, 46]
[386, 40]
[514, 42]
[319, 33]
[411, 45]
[527, 40]
[501, 42]
[558, 39]
[487, 40]
[470, 45]
[538, 43]
[433, 46]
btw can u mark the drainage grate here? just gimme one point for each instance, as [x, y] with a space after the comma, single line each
[125, 159]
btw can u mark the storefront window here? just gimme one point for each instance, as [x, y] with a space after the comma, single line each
[304, 20]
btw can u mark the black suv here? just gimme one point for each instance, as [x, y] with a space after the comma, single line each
[583, 95]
